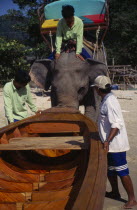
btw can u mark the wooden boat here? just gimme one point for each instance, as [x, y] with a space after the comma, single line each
[53, 160]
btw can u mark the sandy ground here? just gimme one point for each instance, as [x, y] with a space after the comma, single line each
[128, 101]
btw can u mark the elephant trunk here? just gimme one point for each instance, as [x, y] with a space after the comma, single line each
[68, 101]
[63, 100]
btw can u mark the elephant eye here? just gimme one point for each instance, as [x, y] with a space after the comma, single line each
[81, 90]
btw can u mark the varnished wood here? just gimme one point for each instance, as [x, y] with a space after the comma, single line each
[6, 206]
[15, 186]
[100, 182]
[54, 115]
[53, 178]
[3, 139]
[12, 197]
[16, 132]
[56, 128]
[91, 192]
[17, 176]
[59, 176]
[58, 205]
[56, 185]
[40, 168]
[51, 195]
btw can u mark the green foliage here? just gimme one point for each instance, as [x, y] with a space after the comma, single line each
[20, 38]
[12, 56]
[40, 51]
[121, 39]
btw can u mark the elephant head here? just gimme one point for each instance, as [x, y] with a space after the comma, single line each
[69, 78]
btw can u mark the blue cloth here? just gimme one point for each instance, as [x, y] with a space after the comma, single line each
[16, 120]
[84, 54]
[117, 164]
[82, 8]
[52, 55]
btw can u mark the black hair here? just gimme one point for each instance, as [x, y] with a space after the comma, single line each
[67, 11]
[22, 76]
[107, 89]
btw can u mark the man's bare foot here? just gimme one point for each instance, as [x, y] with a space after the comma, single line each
[130, 204]
[113, 195]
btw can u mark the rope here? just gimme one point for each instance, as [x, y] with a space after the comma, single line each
[51, 41]
[96, 47]
[105, 56]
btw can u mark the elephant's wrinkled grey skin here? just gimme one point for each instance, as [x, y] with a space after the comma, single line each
[70, 81]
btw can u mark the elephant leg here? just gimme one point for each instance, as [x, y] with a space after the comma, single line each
[90, 112]
[53, 97]
[97, 104]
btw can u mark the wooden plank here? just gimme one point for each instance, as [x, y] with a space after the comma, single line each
[56, 127]
[59, 176]
[19, 206]
[56, 205]
[6, 206]
[56, 185]
[53, 115]
[33, 143]
[52, 139]
[97, 198]
[89, 191]
[16, 175]
[12, 197]
[51, 195]
[15, 186]
[89, 180]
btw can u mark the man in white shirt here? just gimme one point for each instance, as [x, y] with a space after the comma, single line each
[113, 135]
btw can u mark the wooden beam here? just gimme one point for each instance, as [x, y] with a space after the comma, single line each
[32, 143]
[57, 127]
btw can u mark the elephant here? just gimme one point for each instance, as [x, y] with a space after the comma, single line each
[70, 79]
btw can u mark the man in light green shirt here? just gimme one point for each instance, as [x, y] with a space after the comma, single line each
[69, 27]
[16, 95]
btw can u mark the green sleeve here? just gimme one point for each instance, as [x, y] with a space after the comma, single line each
[58, 42]
[8, 104]
[29, 100]
[79, 38]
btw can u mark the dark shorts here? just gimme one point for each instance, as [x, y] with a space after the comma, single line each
[117, 164]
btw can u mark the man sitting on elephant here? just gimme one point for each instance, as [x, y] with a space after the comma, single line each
[69, 34]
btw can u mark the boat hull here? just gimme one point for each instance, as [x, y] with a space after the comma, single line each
[64, 176]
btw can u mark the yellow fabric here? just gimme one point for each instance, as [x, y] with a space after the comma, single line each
[50, 23]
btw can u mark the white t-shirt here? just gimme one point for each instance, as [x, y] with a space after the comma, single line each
[111, 117]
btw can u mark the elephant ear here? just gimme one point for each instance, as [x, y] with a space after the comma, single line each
[40, 73]
[96, 69]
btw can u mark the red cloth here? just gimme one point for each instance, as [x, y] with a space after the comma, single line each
[96, 18]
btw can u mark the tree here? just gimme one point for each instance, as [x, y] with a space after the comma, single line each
[121, 39]
[12, 56]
